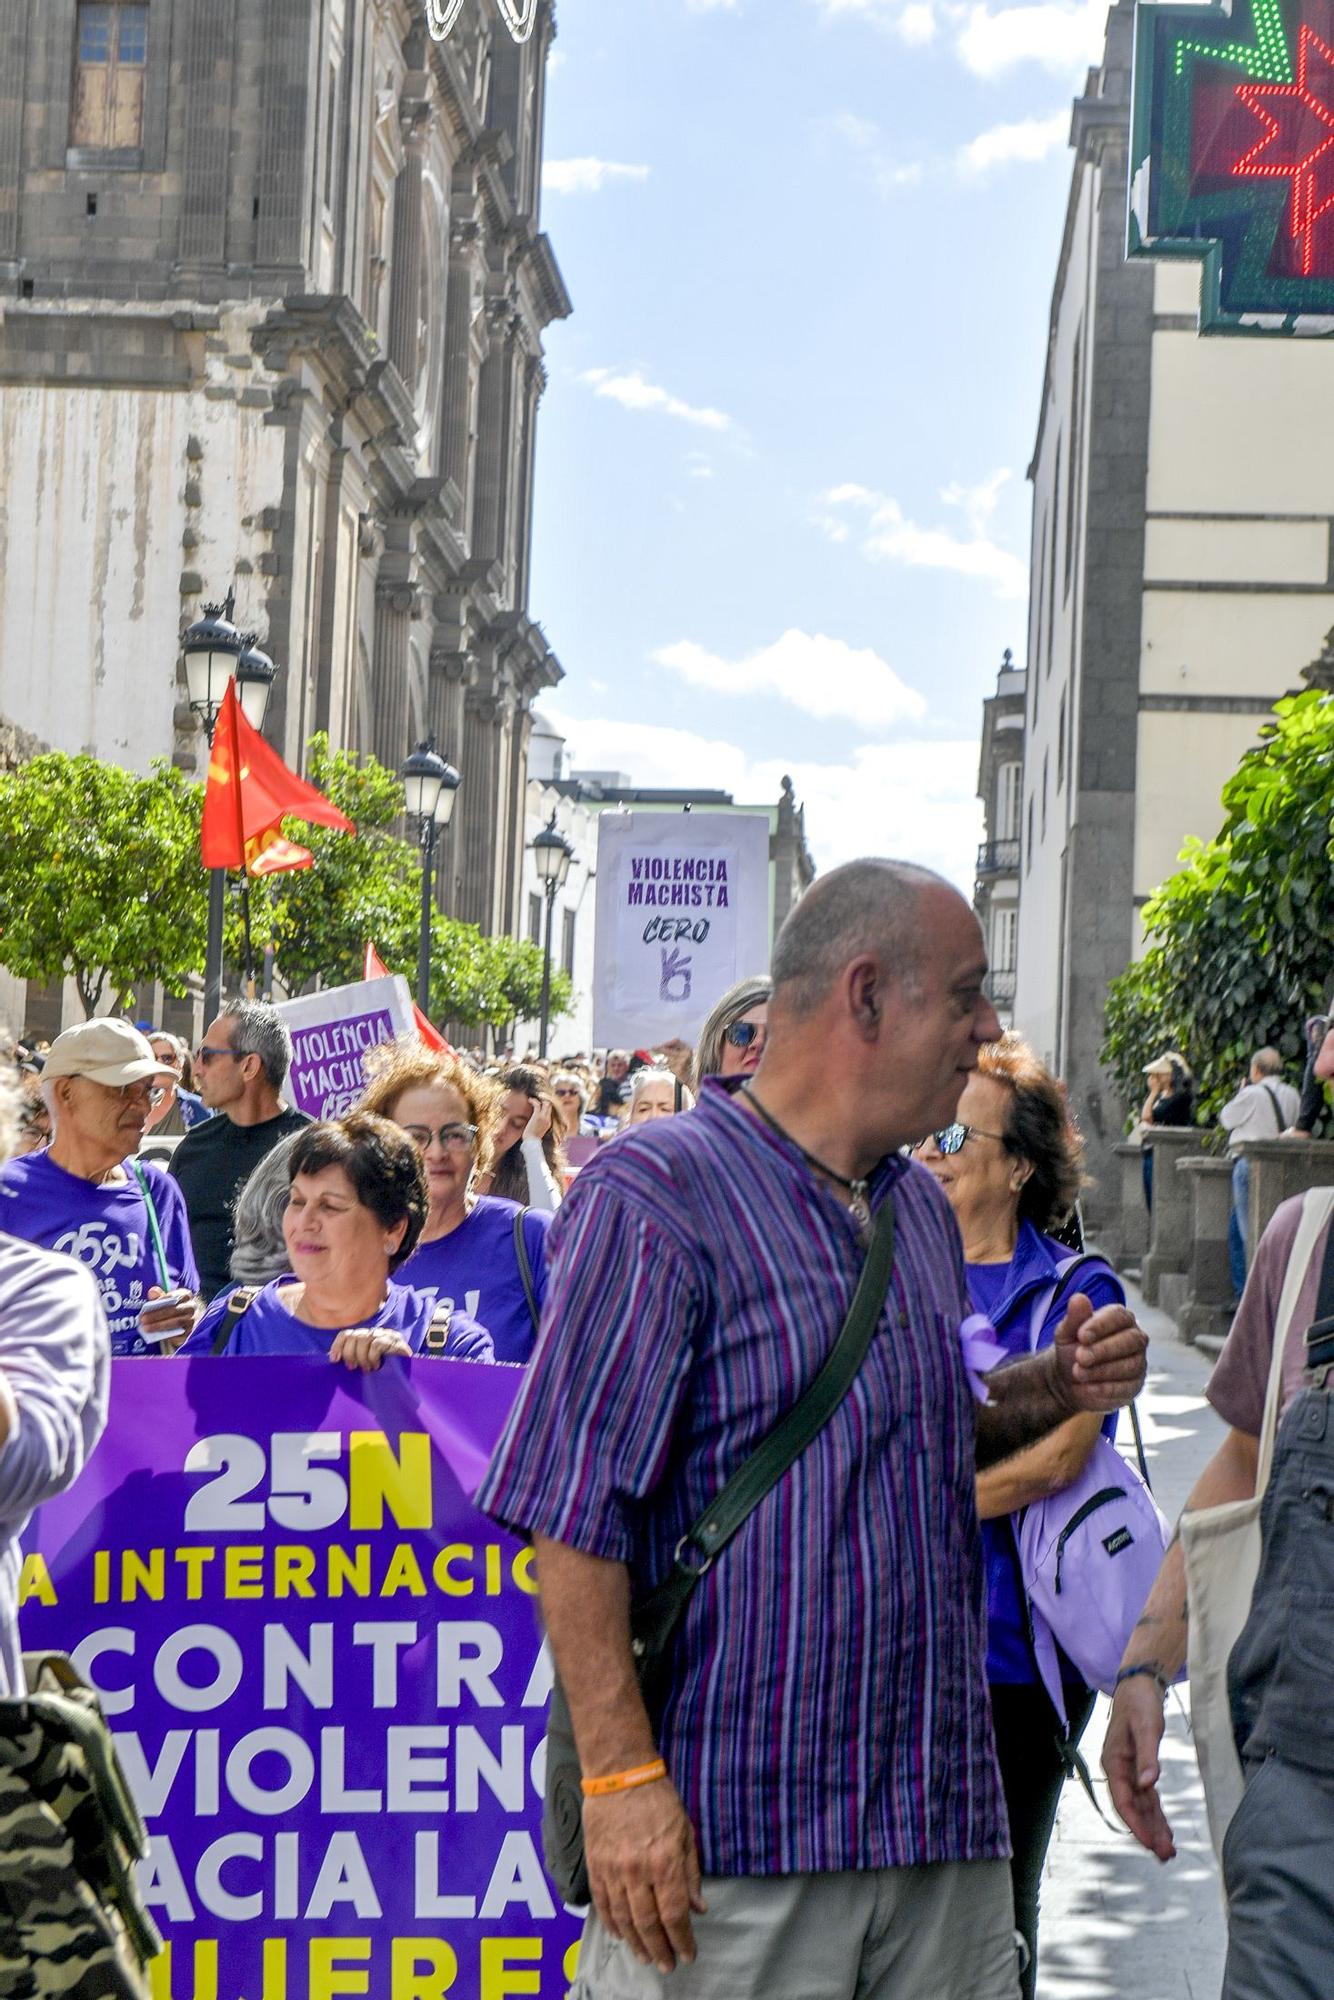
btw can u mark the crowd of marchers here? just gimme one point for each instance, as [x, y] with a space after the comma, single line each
[816, 1440]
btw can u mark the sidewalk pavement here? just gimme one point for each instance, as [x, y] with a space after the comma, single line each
[1115, 1922]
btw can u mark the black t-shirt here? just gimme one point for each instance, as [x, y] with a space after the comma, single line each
[613, 1092]
[212, 1165]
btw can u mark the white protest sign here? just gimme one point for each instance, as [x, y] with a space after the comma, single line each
[682, 914]
[330, 1034]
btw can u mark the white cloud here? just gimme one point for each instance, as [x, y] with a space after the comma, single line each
[887, 535]
[631, 390]
[711, 6]
[820, 676]
[1062, 35]
[1001, 146]
[913, 20]
[587, 176]
[978, 502]
[912, 800]
[869, 141]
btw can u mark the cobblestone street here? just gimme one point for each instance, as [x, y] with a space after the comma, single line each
[1114, 1922]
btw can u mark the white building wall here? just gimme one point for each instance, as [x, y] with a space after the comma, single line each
[572, 1033]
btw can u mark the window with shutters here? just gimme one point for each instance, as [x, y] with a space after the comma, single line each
[535, 919]
[110, 64]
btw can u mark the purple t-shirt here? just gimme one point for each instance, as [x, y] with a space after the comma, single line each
[476, 1268]
[269, 1327]
[105, 1227]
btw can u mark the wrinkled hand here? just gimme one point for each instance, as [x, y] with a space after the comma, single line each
[1130, 1759]
[540, 1123]
[176, 1317]
[1098, 1358]
[365, 1348]
[644, 1871]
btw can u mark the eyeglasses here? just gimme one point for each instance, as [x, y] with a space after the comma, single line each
[742, 1033]
[566, 1092]
[451, 1137]
[128, 1092]
[205, 1053]
[954, 1138]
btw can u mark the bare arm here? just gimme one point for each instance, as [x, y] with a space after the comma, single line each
[1159, 1641]
[639, 1845]
[1095, 1364]
[1041, 1469]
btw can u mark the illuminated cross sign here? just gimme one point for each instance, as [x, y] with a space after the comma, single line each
[1232, 157]
[519, 16]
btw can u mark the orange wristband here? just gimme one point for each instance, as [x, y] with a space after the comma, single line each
[624, 1781]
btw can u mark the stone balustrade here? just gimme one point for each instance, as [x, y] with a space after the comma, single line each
[1200, 1300]
[1281, 1168]
[1125, 1241]
[1170, 1221]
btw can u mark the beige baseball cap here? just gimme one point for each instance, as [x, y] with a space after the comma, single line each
[107, 1051]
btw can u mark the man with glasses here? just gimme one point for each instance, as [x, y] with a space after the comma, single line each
[240, 1066]
[87, 1196]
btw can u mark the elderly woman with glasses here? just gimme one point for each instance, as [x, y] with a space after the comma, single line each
[485, 1254]
[731, 1041]
[356, 1202]
[1011, 1171]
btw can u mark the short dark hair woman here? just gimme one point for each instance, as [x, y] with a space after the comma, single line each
[357, 1201]
[1011, 1169]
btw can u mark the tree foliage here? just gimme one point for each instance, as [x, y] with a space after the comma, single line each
[1240, 940]
[100, 877]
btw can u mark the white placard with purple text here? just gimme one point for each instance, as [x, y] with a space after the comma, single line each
[682, 914]
[331, 1033]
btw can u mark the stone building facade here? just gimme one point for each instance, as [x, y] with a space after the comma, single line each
[1181, 575]
[273, 287]
[1000, 786]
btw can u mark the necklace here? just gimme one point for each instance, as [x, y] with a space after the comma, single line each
[858, 1192]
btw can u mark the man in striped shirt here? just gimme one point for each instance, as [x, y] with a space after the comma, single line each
[831, 1817]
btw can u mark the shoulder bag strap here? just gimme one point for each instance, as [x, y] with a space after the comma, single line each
[702, 1543]
[525, 1267]
[1317, 1207]
[437, 1333]
[1272, 1095]
[238, 1305]
[154, 1226]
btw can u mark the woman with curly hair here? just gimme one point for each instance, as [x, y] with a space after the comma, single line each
[481, 1252]
[356, 1203]
[1010, 1167]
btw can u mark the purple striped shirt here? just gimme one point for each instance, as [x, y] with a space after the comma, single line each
[828, 1705]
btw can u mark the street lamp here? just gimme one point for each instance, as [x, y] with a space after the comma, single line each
[430, 787]
[552, 854]
[211, 651]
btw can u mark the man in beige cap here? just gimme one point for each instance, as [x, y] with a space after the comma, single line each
[88, 1196]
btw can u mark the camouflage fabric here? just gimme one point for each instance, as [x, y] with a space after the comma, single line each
[71, 1925]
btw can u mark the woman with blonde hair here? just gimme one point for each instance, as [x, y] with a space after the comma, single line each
[484, 1254]
[731, 1041]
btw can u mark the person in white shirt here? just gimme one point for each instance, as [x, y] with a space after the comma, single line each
[1263, 1108]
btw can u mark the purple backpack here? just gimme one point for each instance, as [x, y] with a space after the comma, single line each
[1088, 1554]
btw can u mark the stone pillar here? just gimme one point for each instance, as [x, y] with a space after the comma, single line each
[449, 674]
[495, 422]
[405, 298]
[1169, 1233]
[389, 669]
[1128, 1237]
[479, 803]
[1206, 1302]
[462, 366]
[1281, 1168]
[209, 46]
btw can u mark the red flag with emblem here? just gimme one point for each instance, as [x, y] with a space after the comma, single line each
[250, 791]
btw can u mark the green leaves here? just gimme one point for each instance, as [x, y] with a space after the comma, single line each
[1240, 940]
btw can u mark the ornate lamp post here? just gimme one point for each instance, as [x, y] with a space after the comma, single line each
[553, 854]
[430, 787]
[213, 652]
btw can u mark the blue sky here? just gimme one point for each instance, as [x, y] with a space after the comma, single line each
[782, 516]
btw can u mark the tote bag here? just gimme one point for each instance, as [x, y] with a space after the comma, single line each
[1221, 1546]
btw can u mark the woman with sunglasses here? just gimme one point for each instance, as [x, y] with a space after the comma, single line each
[731, 1041]
[571, 1096]
[1011, 1171]
[485, 1255]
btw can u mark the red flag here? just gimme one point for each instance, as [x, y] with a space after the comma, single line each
[269, 854]
[374, 967]
[250, 790]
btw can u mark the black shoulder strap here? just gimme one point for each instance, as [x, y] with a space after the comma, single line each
[1320, 1333]
[238, 1305]
[525, 1267]
[1272, 1095]
[699, 1547]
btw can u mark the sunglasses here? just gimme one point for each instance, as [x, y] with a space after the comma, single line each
[567, 1093]
[742, 1033]
[205, 1052]
[460, 1137]
[954, 1138]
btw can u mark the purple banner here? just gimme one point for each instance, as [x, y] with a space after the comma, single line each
[325, 1677]
[327, 1077]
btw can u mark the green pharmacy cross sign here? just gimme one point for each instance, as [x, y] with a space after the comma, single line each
[1232, 157]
